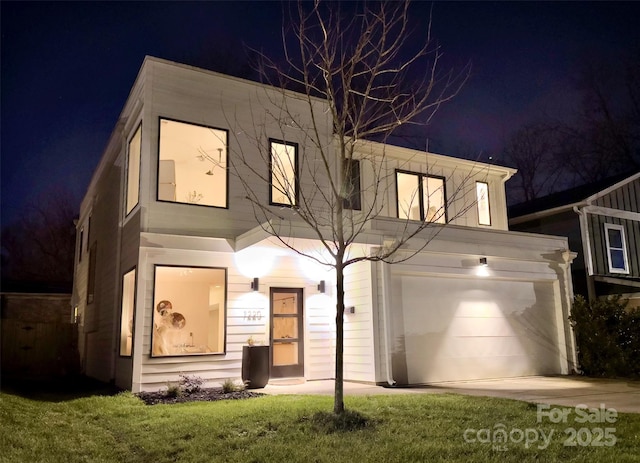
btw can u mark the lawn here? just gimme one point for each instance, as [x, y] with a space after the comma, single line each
[401, 428]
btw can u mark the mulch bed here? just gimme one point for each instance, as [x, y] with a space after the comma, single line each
[206, 394]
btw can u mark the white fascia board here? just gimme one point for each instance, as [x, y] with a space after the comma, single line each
[545, 213]
[606, 191]
[186, 242]
[609, 212]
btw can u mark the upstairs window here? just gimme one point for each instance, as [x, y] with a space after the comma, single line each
[192, 164]
[482, 198]
[283, 167]
[616, 248]
[421, 197]
[91, 281]
[133, 170]
[352, 185]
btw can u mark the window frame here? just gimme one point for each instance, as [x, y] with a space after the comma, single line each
[225, 311]
[354, 201]
[133, 308]
[420, 193]
[80, 243]
[296, 172]
[226, 131]
[609, 248]
[91, 276]
[128, 210]
[488, 199]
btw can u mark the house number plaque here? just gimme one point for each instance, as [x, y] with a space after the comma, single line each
[253, 314]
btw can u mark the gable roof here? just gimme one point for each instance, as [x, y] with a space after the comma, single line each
[566, 199]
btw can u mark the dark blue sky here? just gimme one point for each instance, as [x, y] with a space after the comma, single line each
[67, 68]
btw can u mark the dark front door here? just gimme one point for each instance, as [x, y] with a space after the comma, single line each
[287, 349]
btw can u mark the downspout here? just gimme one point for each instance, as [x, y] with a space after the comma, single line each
[386, 307]
[586, 248]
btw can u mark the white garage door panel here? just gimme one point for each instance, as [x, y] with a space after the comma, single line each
[456, 329]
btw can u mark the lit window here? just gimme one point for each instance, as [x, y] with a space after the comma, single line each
[192, 167]
[284, 173]
[482, 196]
[189, 311]
[421, 197]
[352, 185]
[616, 248]
[126, 315]
[133, 170]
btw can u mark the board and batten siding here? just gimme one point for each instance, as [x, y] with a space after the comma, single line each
[156, 372]
[596, 225]
[624, 198]
[358, 354]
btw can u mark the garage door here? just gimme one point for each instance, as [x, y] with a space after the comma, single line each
[450, 329]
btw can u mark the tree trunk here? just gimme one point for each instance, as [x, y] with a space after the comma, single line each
[338, 399]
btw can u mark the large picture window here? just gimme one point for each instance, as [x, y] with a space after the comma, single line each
[133, 170]
[192, 166]
[284, 173]
[189, 311]
[127, 312]
[616, 248]
[421, 197]
[482, 198]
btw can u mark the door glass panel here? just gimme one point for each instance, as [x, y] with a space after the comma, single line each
[285, 327]
[285, 353]
[285, 303]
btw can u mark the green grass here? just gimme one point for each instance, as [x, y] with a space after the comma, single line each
[399, 428]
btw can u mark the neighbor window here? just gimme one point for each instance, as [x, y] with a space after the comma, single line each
[616, 248]
[192, 166]
[127, 312]
[352, 185]
[482, 197]
[133, 170]
[189, 311]
[284, 173]
[91, 281]
[421, 197]
[80, 247]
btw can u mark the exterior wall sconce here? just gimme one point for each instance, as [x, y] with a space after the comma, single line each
[350, 309]
[255, 284]
[321, 287]
[483, 261]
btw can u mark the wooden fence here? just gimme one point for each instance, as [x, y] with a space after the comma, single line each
[39, 350]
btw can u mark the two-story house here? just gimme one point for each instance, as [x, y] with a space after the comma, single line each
[174, 274]
[602, 223]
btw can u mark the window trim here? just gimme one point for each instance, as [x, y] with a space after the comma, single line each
[133, 309]
[609, 248]
[91, 276]
[488, 203]
[226, 131]
[127, 168]
[296, 172]
[226, 303]
[421, 176]
[354, 201]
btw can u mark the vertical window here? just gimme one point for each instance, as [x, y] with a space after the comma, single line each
[284, 173]
[352, 185]
[482, 198]
[616, 248]
[88, 232]
[91, 282]
[80, 244]
[127, 312]
[421, 197]
[133, 170]
[189, 311]
[192, 164]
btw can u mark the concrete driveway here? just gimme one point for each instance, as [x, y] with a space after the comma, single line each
[624, 396]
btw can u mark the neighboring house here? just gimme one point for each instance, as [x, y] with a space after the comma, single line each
[602, 222]
[173, 273]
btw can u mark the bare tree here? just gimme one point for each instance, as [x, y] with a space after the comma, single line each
[360, 76]
[40, 246]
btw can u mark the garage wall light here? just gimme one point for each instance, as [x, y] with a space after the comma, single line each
[255, 284]
[483, 261]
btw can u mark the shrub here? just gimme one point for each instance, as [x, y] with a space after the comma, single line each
[607, 336]
[191, 384]
[230, 386]
[173, 390]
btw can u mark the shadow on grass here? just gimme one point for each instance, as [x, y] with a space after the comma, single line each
[58, 389]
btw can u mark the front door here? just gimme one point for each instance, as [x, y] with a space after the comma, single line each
[287, 350]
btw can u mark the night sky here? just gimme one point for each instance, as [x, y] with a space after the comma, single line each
[67, 68]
